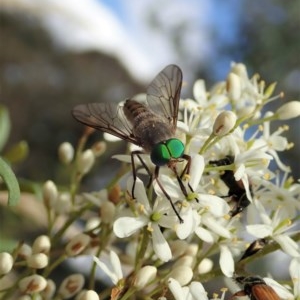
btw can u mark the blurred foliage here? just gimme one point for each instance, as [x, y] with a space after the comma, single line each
[16, 153]
[40, 83]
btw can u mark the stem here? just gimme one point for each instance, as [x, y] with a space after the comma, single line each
[142, 249]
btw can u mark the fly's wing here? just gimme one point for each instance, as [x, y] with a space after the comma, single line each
[163, 93]
[106, 117]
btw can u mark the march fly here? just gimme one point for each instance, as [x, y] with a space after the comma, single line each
[150, 125]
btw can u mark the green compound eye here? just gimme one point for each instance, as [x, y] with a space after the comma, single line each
[162, 153]
[175, 147]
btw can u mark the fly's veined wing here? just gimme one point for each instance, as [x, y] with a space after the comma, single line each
[163, 93]
[106, 117]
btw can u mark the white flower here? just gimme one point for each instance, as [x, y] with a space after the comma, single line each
[193, 292]
[275, 227]
[152, 218]
[115, 272]
[275, 142]
[279, 192]
[295, 275]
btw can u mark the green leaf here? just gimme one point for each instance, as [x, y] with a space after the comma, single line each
[4, 126]
[11, 182]
[17, 152]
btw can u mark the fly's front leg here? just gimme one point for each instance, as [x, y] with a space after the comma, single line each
[179, 180]
[138, 153]
[186, 170]
[156, 173]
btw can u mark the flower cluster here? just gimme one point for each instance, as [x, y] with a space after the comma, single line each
[235, 192]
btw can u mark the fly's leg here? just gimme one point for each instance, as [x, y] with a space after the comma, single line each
[186, 170]
[156, 172]
[137, 153]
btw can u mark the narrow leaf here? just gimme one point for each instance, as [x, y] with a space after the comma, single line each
[11, 182]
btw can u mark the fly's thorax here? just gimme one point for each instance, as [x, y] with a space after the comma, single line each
[148, 127]
[163, 152]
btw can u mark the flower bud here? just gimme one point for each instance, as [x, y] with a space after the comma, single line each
[144, 276]
[32, 284]
[66, 153]
[71, 286]
[178, 247]
[99, 148]
[24, 251]
[199, 90]
[240, 70]
[86, 161]
[77, 244]
[92, 224]
[37, 261]
[63, 204]
[6, 263]
[224, 122]
[87, 295]
[205, 266]
[289, 110]
[108, 210]
[49, 193]
[192, 250]
[49, 291]
[41, 244]
[186, 260]
[182, 274]
[114, 194]
[234, 87]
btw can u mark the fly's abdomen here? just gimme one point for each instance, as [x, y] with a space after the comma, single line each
[133, 110]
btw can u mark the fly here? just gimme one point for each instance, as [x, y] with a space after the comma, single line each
[151, 125]
[237, 191]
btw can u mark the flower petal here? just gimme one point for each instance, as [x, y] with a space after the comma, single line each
[196, 171]
[295, 275]
[216, 205]
[226, 261]
[116, 264]
[139, 191]
[160, 245]
[260, 230]
[126, 226]
[197, 290]
[288, 245]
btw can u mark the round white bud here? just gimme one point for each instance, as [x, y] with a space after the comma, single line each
[85, 161]
[71, 285]
[41, 244]
[37, 261]
[77, 244]
[87, 295]
[49, 291]
[224, 122]
[24, 251]
[6, 263]
[66, 152]
[63, 204]
[234, 87]
[182, 274]
[108, 210]
[289, 110]
[49, 193]
[32, 284]
[144, 276]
